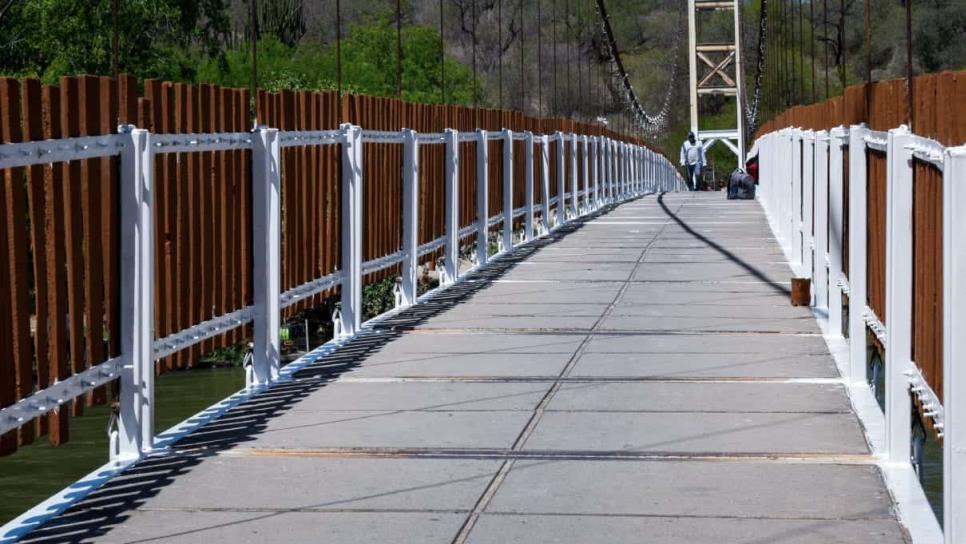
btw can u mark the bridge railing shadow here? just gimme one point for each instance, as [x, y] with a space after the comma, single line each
[750, 268]
[113, 503]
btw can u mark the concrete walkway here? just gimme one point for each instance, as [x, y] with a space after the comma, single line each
[639, 378]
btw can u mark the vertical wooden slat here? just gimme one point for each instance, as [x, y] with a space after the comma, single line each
[208, 224]
[222, 193]
[74, 229]
[239, 210]
[149, 117]
[17, 352]
[173, 221]
[56, 255]
[92, 191]
[246, 222]
[111, 115]
[199, 178]
[33, 124]
[182, 224]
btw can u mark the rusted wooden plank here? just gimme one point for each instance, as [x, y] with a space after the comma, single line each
[208, 219]
[199, 166]
[221, 203]
[17, 352]
[92, 191]
[33, 124]
[74, 230]
[172, 217]
[245, 218]
[182, 224]
[149, 117]
[245, 191]
[177, 177]
[111, 104]
[55, 252]
[236, 233]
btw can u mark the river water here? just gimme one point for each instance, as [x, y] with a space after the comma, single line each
[39, 470]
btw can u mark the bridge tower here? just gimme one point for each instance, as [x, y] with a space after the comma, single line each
[720, 74]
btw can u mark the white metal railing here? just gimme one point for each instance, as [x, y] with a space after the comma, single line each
[612, 171]
[796, 165]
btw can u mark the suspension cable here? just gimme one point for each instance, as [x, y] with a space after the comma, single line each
[650, 125]
[553, 26]
[499, 24]
[539, 61]
[753, 110]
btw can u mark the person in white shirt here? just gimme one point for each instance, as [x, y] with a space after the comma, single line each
[692, 157]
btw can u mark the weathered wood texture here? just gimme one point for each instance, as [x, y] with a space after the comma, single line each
[937, 114]
[60, 277]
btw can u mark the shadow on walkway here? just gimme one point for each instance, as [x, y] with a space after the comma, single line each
[729, 255]
[113, 503]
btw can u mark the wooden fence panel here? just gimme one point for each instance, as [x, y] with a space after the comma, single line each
[60, 238]
[927, 278]
[16, 378]
[33, 125]
[876, 234]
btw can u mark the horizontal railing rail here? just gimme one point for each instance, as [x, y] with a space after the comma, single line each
[609, 171]
[802, 181]
[619, 171]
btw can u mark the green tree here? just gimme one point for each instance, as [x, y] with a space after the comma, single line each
[368, 65]
[51, 38]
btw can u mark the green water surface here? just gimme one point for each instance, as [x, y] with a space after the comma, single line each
[39, 470]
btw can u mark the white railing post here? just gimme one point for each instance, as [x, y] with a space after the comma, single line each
[410, 247]
[605, 167]
[899, 179]
[629, 168]
[783, 172]
[612, 171]
[507, 190]
[482, 197]
[528, 185]
[857, 254]
[954, 345]
[632, 169]
[820, 259]
[639, 168]
[266, 254]
[586, 175]
[451, 265]
[561, 176]
[545, 179]
[836, 203]
[638, 163]
[622, 169]
[808, 189]
[136, 399]
[646, 170]
[798, 230]
[667, 177]
[352, 180]
[574, 190]
[595, 170]
[766, 183]
[618, 170]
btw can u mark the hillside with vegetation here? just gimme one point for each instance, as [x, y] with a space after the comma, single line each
[546, 58]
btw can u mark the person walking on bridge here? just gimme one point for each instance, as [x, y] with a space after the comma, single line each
[692, 157]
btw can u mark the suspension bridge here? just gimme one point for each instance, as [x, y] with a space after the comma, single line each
[581, 349]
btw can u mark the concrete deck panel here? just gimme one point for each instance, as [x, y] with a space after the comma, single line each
[638, 377]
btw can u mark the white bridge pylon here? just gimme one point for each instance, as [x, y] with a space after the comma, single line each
[721, 74]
